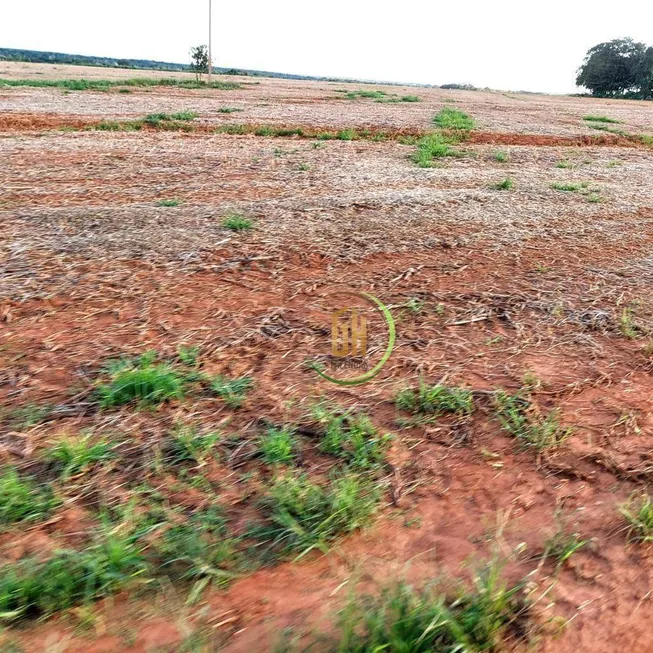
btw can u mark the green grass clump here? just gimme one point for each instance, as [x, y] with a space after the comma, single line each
[501, 157]
[490, 616]
[168, 203]
[198, 549]
[303, 516]
[563, 545]
[232, 391]
[505, 184]
[347, 135]
[521, 419]
[591, 118]
[436, 400]
[564, 163]
[188, 445]
[455, 119]
[638, 512]
[32, 587]
[351, 437]
[237, 223]
[228, 110]
[119, 126]
[610, 130]
[142, 380]
[433, 146]
[23, 500]
[567, 188]
[77, 455]
[646, 139]
[155, 119]
[278, 446]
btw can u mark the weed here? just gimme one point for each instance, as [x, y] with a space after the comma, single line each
[523, 421]
[567, 188]
[199, 550]
[346, 135]
[142, 380]
[563, 545]
[32, 587]
[638, 511]
[228, 110]
[77, 455]
[355, 439]
[627, 324]
[155, 119]
[486, 618]
[22, 500]
[303, 167]
[505, 184]
[433, 146]
[591, 118]
[611, 130]
[436, 400]
[304, 516]
[415, 305]
[237, 223]
[188, 445]
[501, 157]
[454, 119]
[25, 417]
[278, 446]
[564, 163]
[594, 198]
[169, 203]
[646, 139]
[232, 391]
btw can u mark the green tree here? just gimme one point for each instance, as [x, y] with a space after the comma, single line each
[613, 68]
[199, 58]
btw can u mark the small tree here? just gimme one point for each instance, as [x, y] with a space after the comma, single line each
[199, 58]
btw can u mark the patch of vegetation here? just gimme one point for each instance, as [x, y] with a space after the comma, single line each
[188, 445]
[638, 512]
[491, 616]
[119, 126]
[611, 130]
[567, 188]
[155, 119]
[434, 146]
[454, 119]
[143, 380]
[237, 223]
[229, 110]
[501, 157]
[278, 446]
[564, 163]
[523, 421]
[351, 437]
[33, 587]
[627, 324]
[77, 455]
[347, 135]
[563, 545]
[25, 417]
[505, 184]
[592, 118]
[303, 516]
[168, 203]
[104, 84]
[436, 400]
[232, 391]
[23, 500]
[198, 549]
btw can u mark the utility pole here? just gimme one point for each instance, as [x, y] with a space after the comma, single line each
[210, 60]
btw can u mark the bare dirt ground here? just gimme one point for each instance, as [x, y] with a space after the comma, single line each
[488, 288]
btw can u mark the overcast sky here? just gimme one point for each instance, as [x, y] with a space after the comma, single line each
[503, 44]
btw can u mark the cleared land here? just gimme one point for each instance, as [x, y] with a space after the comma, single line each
[114, 243]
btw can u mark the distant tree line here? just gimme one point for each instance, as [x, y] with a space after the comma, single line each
[10, 54]
[619, 68]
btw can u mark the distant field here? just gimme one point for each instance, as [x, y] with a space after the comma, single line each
[164, 256]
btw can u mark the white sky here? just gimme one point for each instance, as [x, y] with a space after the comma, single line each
[503, 44]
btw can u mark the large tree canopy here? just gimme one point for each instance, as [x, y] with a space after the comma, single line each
[618, 67]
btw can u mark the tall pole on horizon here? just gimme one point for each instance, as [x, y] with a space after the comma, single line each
[210, 60]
